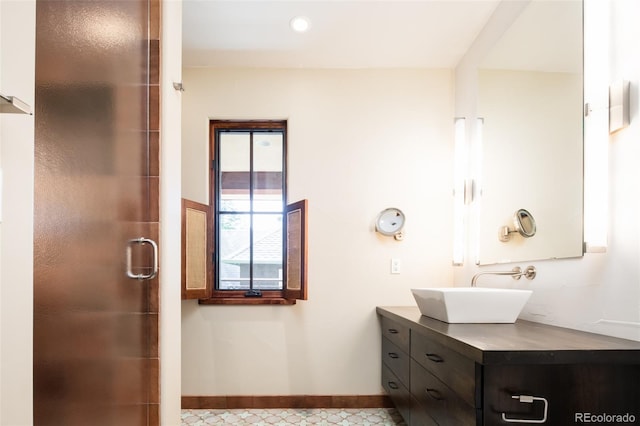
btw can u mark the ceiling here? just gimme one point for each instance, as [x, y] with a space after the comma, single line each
[343, 33]
[546, 36]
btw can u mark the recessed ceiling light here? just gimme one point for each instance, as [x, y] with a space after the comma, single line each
[300, 24]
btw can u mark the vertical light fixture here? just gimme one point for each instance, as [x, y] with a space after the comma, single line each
[1, 187]
[476, 173]
[459, 190]
[596, 125]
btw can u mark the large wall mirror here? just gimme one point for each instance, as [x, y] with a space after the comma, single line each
[530, 99]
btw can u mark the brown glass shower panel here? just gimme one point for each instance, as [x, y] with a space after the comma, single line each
[96, 358]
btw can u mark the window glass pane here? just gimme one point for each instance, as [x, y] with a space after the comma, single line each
[267, 251]
[267, 152]
[267, 166]
[234, 171]
[234, 251]
[268, 203]
[235, 204]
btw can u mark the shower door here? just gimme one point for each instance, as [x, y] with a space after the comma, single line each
[95, 294]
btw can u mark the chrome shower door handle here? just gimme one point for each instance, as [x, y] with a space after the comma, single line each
[154, 268]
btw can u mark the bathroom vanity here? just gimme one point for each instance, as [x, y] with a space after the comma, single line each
[499, 374]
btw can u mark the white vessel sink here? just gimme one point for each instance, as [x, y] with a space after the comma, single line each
[471, 304]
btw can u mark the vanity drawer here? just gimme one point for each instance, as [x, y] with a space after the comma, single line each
[396, 332]
[438, 400]
[448, 365]
[397, 360]
[419, 415]
[398, 393]
[561, 394]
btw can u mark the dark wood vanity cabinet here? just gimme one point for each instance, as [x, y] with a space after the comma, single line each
[395, 365]
[500, 374]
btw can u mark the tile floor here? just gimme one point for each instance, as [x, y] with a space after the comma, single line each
[293, 416]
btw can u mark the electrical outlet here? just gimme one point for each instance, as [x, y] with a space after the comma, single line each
[395, 266]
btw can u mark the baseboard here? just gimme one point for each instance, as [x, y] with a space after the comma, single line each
[286, 401]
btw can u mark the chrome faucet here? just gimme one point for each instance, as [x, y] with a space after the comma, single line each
[516, 273]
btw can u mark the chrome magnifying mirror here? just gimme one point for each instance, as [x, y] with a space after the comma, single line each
[523, 223]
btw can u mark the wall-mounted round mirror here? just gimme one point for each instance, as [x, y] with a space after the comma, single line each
[523, 223]
[390, 222]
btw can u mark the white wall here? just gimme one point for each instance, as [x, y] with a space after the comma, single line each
[1, 400]
[17, 55]
[601, 291]
[359, 141]
[170, 193]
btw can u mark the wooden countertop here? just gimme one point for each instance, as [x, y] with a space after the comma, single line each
[523, 342]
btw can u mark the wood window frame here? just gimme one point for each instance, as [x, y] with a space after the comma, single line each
[295, 231]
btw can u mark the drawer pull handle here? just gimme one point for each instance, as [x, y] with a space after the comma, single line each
[393, 355]
[435, 394]
[529, 400]
[434, 357]
[393, 331]
[393, 385]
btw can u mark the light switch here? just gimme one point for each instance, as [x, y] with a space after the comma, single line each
[395, 266]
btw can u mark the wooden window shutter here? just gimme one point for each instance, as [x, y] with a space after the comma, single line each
[295, 278]
[197, 252]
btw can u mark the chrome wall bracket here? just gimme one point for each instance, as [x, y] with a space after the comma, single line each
[13, 105]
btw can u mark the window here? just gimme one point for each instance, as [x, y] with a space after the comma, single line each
[257, 242]
[248, 185]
